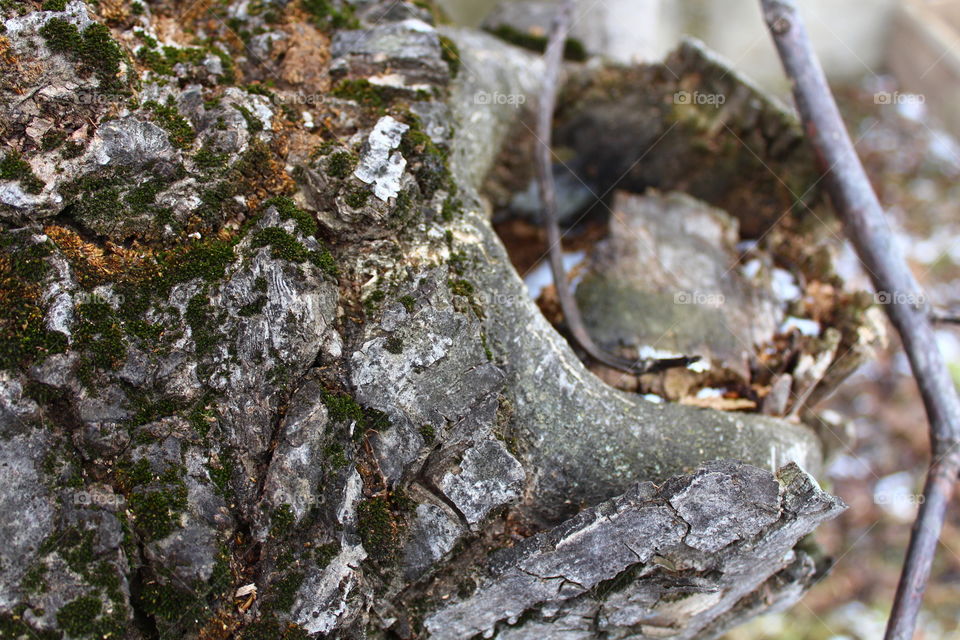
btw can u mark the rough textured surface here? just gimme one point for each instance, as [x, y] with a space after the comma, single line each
[665, 561]
[267, 371]
[670, 256]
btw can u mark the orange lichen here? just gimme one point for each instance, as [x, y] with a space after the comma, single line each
[95, 264]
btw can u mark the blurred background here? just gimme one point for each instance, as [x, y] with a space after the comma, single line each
[895, 68]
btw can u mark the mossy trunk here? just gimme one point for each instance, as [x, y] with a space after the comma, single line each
[258, 330]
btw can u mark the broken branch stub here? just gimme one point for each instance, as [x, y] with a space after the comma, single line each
[688, 559]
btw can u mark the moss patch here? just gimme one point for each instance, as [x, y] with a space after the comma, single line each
[572, 49]
[358, 197]
[94, 49]
[344, 409]
[381, 526]
[286, 247]
[427, 161]
[14, 167]
[26, 337]
[450, 54]
[341, 164]
[168, 116]
[157, 511]
[327, 15]
[364, 92]
[288, 210]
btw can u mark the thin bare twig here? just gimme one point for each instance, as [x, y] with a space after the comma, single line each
[943, 317]
[865, 224]
[553, 57]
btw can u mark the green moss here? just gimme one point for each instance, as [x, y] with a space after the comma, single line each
[372, 301]
[451, 206]
[334, 454]
[129, 475]
[572, 49]
[147, 409]
[34, 580]
[458, 262]
[286, 247]
[450, 54]
[408, 302]
[14, 167]
[394, 345]
[326, 15]
[428, 432]
[325, 148]
[77, 616]
[71, 149]
[282, 520]
[403, 208]
[201, 417]
[168, 116]
[325, 553]
[460, 287]
[55, 5]
[285, 591]
[157, 512]
[207, 160]
[427, 161]
[171, 608]
[254, 124]
[270, 628]
[12, 625]
[201, 320]
[207, 260]
[99, 335]
[52, 139]
[227, 64]
[341, 164]
[380, 529]
[94, 49]
[162, 60]
[362, 91]
[323, 259]
[282, 244]
[358, 197]
[486, 348]
[137, 8]
[288, 210]
[344, 409]
[253, 308]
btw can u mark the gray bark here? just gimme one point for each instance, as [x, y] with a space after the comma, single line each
[401, 447]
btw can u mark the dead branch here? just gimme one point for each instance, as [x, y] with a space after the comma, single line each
[865, 224]
[553, 56]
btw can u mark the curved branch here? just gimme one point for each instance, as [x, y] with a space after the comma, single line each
[553, 57]
[865, 224]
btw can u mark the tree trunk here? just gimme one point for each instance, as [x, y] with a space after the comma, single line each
[247, 348]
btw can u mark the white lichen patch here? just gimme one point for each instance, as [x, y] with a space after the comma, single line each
[380, 165]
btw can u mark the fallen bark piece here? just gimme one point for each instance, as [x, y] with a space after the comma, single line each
[669, 277]
[678, 561]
